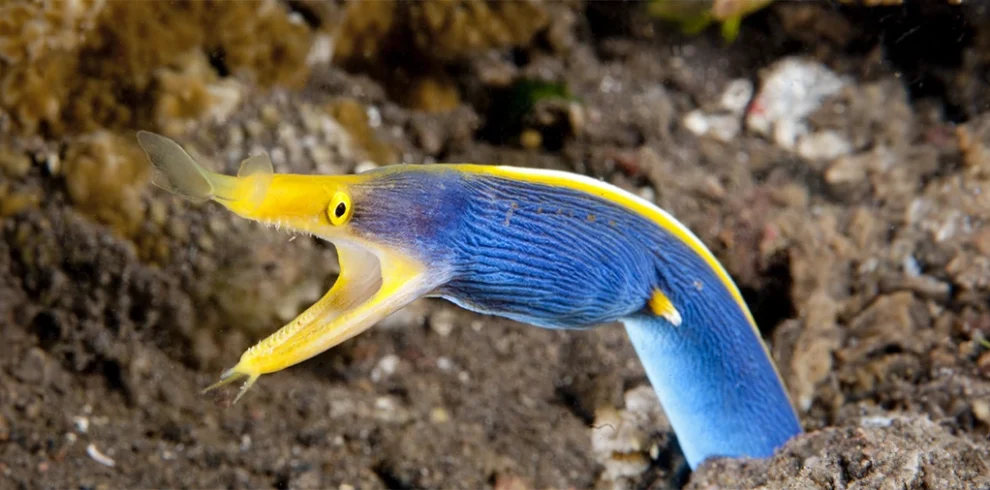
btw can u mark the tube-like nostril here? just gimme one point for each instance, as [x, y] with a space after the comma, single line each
[175, 171]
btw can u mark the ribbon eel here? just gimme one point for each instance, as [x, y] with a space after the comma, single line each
[547, 248]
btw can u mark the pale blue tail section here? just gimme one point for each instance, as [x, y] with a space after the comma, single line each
[720, 391]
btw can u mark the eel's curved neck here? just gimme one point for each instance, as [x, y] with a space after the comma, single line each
[716, 383]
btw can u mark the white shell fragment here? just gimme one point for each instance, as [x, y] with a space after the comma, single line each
[99, 457]
[725, 123]
[792, 89]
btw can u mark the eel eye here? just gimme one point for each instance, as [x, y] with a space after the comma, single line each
[339, 210]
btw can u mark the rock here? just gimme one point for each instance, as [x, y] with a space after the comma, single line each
[33, 369]
[824, 145]
[306, 480]
[623, 441]
[908, 452]
[385, 368]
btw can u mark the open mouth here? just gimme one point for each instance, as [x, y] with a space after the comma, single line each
[362, 296]
[359, 279]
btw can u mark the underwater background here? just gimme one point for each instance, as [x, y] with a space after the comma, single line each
[834, 155]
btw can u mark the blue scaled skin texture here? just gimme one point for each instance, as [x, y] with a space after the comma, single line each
[560, 257]
[548, 248]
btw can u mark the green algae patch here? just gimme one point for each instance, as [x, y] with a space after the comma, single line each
[695, 17]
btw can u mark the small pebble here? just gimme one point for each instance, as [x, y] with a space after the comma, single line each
[876, 421]
[53, 163]
[235, 136]
[306, 479]
[81, 424]
[696, 122]
[278, 157]
[445, 364]
[319, 154]
[823, 145]
[439, 415]
[269, 114]
[510, 482]
[15, 164]
[4, 429]
[386, 409]
[286, 133]
[254, 128]
[385, 368]
[33, 368]
[205, 243]
[226, 97]
[158, 212]
[442, 322]
[374, 116]
[910, 266]
[737, 95]
[310, 119]
[983, 364]
[321, 51]
[981, 410]
[846, 171]
[577, 118]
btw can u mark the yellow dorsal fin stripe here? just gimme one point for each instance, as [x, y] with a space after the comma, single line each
[661, 306]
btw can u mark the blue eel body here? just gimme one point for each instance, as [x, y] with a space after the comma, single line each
[558, 257]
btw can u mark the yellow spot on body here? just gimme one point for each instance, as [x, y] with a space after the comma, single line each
[591, 218]
[661, 306]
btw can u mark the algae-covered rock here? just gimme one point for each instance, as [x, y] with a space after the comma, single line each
[445, 30]
[190, 90]
[72, 67]
[353, 116]
[409, 44]
[104, 175]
